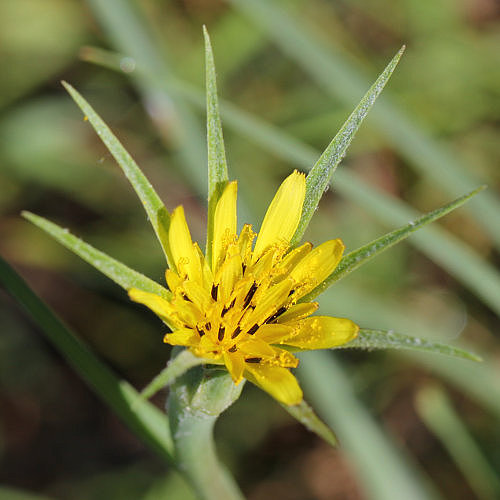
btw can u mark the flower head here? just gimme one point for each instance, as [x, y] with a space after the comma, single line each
[242, 307]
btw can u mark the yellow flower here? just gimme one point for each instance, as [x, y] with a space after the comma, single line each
[239, 308]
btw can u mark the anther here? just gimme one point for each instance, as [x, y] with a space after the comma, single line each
[253, 360]
[236, 332]
[200, 332]
[185, 297]
[250, 294]
[292, 291]
[226, 309]
[220, 335]
[214, 291]
[253, 329]
[233, 349]
[276, 315]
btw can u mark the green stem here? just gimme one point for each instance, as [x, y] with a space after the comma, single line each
[195, 401]
[197, 459]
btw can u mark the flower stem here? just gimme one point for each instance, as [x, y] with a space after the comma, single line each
[195, 401]
[197, 459]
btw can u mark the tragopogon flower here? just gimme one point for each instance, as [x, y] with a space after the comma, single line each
[242, 308]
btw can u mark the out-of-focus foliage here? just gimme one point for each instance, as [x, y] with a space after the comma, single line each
[55, 438]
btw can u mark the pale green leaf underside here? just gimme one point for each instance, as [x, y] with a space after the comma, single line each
[217, 165]
[306, 416]
[144, 419]
[356, 258]
[155, 209]
[321, 173]
[387, 339]
[112, 268]
[175, 368]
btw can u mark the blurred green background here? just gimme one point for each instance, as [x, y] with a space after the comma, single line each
[293, 72]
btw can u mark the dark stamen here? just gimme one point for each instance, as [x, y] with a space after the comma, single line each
[253, 329]
[278, 313]
[220, 335]
[214, 291]
[226, 309]
[233, 349]
[243, 267]
[253, 360]
[250, 294]
[185, 297]
[236, 332]
[292, 291]
[200, 332]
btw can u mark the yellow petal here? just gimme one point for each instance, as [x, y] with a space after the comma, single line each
[235, 364]
[272, 334]
[185, 256]
[278, 382]
[157, 304]
[322, 332]
[316, 266]
[173, 280]
[229, 272]
[255, 348]
[283, 215]
[297, 311]
[224, 224]
[182, 336]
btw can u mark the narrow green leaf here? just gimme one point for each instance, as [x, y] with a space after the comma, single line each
[357, 258]
[175, 368]
[384, 470]
[155, 209]
[338, 75]
[320, 175]
[112, 268]
[217, 165]
[438, 414]
[306, 416]
[145, 420]
[387, 339]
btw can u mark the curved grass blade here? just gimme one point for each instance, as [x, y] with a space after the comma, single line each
[145, 420]
[320, 175]
[306, 416]
[383, 470]
[154, 207]
[217, 165]
[387, 339]
[357, 258]
[436, 410]
[175, 368]
[120, 273]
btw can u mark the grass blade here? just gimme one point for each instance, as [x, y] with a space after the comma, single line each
[438, 414]
[145, 420]
[387, 339]
[155, 209]
[175, 368]
[306, 416]
[357, 258]
[381, 467]
[338, 76]
[217, 165]
[112, 268]
[320, 175]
